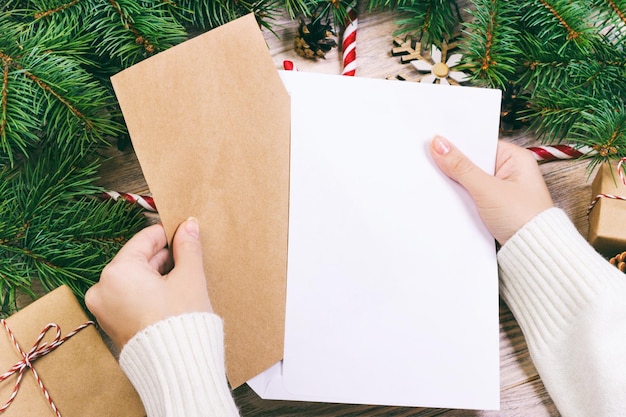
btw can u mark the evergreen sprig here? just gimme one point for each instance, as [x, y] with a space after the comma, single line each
[430, 22]
[490, 52]
[566, 59]
[389, 4]
[128, 31]
[51, 230]
[208, 14]
[43, 95]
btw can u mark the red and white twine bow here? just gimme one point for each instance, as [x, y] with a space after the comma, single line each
[620, 171]
[37, 351]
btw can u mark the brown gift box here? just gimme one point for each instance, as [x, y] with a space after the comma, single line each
[81, 375]
[607, 218]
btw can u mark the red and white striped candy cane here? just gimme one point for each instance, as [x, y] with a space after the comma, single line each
[144, 201]
[349, 41]
[559, 152]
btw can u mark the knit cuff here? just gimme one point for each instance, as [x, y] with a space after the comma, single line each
[548, 273]
[177, 367]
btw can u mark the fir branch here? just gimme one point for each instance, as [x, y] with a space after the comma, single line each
[571, 33]
[330, 10]
[598, 72]
[618, 7]
[61, 33]
[208, 14]
[205, 14]
[389, 4]
[611, 19]
[604, 129]
[265, 11]
[59, 8]
[139, 38]
[431, 22]
[52, 231]
[606, 123]
[43, 93]
[563, 22]
[490, 50]
[553, 114]
[4, 101]
[129, 31]
[296, 8]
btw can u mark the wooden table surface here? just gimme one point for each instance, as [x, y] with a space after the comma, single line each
[522, 392]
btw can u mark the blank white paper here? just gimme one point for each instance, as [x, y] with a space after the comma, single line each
[392, 285]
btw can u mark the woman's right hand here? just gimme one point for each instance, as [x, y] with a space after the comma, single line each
[505, 201]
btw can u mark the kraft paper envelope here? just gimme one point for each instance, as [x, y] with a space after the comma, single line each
[393, 285]
[209, 120]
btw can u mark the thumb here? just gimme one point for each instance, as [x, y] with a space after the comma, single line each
[459, 167]
[186, 248]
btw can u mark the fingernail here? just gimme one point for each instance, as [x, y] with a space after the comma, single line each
[192, 227]
[441, 145]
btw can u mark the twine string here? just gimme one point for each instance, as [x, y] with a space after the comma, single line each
[38, 350]
[620, 172]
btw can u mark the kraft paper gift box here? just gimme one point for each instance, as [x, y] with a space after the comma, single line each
[81, 375]
[607, 218]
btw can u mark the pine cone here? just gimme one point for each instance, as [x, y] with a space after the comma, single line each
[313, 40]
[619, 261]
[513, 109]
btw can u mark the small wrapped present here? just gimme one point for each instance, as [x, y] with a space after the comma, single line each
[53, 362]
[607, 214]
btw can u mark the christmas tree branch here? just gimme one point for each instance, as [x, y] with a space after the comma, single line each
[490, 50]
[46, 13]
[619, 12]
[45, 87]
[45, 79]
[571, 33]
[606, 122]
[432, 22]
[57, 232]
[130, 31]
[295, 8]
[562, 22]
[127, 22]
[4, 102]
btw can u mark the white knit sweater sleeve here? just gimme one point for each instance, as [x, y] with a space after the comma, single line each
[571, 305]
[177, 367]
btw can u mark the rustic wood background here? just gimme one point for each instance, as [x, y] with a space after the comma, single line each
[522, 392]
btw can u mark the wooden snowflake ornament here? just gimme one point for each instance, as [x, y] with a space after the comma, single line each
[407, 49]
[438, 69]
